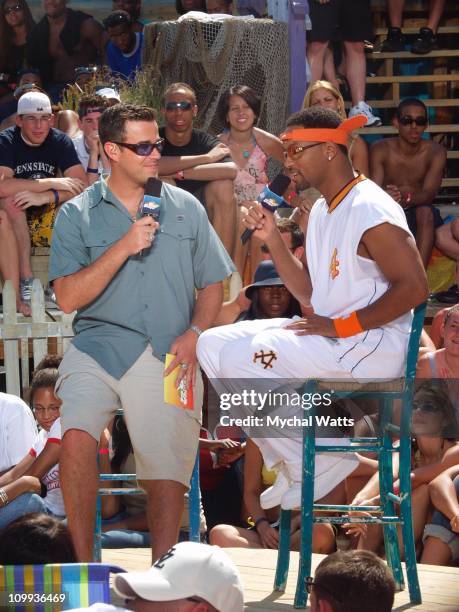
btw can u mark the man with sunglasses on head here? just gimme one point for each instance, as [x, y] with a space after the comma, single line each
[410, 169]
[198, 162]
[40, 170]
[141, 288]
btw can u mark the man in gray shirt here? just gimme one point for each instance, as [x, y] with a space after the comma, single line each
[141, 289]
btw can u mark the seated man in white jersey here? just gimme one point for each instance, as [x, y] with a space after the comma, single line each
[364, 275]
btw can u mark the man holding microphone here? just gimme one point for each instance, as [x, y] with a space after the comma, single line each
[133, 283]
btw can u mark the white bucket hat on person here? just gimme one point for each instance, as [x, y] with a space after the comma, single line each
[34, 103]
[188, 569]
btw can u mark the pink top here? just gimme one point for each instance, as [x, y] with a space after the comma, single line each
[252, 178]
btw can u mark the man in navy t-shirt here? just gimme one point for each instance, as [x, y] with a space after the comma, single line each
[32, 155]
[124, 51]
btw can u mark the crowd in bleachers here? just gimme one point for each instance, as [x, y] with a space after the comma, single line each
[50, 153]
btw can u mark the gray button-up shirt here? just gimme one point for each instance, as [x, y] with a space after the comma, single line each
[152, 296]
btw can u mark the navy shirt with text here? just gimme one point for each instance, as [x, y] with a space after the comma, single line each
[56, 153]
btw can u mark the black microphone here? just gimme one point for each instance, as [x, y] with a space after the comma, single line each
[270, 198]
[151, 205]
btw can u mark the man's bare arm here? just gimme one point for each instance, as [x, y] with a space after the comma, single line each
[377, 152]
[10, 186]
[294, 275]
[432, 178]
[170, 164]
[81, 288]
[211, 172]
[389, 245]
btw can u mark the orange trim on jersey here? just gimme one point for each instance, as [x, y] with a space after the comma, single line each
[339, 135]
[339, 197]
[53, 441]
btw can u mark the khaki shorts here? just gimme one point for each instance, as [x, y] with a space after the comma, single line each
[164, 438]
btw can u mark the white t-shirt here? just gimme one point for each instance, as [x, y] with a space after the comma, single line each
[18, 430]
[54, 501]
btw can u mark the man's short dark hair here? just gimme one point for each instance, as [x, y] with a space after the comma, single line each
[91, 102]
[287, 226]
[346, 579]
[113, 120]
[174, 87]
[317, 117]
[410, 102]
[117, 18]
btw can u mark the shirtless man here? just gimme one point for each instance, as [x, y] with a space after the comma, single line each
[410, 169]
[63, 40]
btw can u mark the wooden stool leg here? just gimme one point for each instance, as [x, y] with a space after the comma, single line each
[283, 555]
[385, 482]
[194, 503]
[98, 531]
[307, 513]
[405, 505]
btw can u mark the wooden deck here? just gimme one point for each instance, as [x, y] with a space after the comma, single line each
[439, 585]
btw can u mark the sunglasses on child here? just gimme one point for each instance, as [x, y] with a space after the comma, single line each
[144, 149]
[184, 106]
[408, 120]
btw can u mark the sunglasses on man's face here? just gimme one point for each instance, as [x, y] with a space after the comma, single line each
[15, 8]
[408, 120]
[144, 149]
[184, 106]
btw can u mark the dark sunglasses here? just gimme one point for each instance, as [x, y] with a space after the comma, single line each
[408, 120]
[426, 407]
[295, 151]
[310, 584]
[12, 9]
[143, 149]
[171, 106]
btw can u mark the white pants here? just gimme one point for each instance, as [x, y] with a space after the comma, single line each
[262, 349]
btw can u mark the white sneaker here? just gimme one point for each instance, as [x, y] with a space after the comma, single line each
[273, 495]
[362, 108]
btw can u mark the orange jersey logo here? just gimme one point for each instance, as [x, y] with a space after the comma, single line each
[334, 264]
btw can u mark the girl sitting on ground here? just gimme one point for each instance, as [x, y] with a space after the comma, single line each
[33, 484]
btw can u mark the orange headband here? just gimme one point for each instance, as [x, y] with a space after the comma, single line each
[340, 134]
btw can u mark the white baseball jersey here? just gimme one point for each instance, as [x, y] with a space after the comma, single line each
[344, 282]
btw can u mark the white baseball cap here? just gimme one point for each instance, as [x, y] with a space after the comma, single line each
[109, 93]
[188, 569]
[34, 103]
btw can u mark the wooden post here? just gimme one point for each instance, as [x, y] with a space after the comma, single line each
[11, 353]
[297, 11]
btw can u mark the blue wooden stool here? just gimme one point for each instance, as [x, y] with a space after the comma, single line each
[383, 446]
[193, 504]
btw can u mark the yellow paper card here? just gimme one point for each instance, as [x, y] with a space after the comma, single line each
[181, 396]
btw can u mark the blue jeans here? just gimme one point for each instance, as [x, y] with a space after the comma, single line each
[24, 504]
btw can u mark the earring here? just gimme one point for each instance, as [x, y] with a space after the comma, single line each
[329, 158]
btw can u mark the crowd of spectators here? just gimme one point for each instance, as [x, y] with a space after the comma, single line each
[49, 155]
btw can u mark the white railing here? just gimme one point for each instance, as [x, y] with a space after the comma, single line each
[15, 333]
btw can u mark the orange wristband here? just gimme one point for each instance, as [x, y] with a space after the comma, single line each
[347, 326]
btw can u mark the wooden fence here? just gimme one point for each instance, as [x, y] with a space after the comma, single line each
[26, 338]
